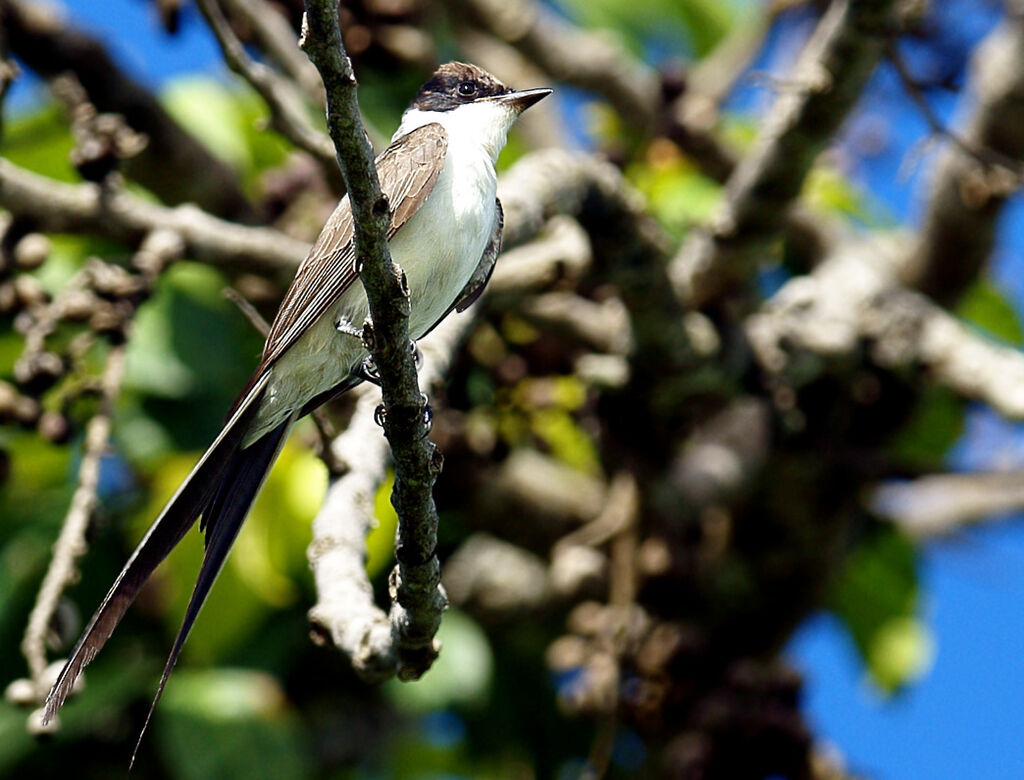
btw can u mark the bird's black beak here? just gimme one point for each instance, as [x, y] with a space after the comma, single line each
[523, 99]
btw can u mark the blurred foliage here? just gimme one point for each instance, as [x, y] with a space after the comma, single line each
[40, 141]
[241, 718]
[690, 26]
[987, 308]
[460, 676]
[230, 121]
[380, 542]
[678, 194]
[934, 426]
[876, 597]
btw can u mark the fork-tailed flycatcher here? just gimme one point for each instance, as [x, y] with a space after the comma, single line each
[446, 222]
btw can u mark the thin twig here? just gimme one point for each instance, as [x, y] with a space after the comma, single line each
[832, 71]
[277, 38]
[986, 156]
[71, 545]
[248, 310]
[287, 111]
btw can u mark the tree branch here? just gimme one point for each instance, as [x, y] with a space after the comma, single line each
[345, 610]
[975, 175]
[854, 299]
[50, 206]
[277, 38]
[942, 504]
[71, 545]
[415, 584]
[43, 42]
[831, 73]
[287, 111]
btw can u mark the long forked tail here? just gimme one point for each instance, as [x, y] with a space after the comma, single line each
[221, 488]
[222, 518]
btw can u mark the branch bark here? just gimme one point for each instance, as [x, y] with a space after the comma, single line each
[47, 45]
[415, 584]
[942, 504]
[71, 545]
[958, 233]
[830, 75]
[50, 206]
[854, 299]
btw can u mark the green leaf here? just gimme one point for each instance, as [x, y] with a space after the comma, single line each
[696, 25]
[875, 596]
[936, 423]
[190, 352]
[210, 111]
[41, 142]
[901, 650]
[678, 194]
[230, 723]
[380, 542]
[986, 307]
[828, 189]
[566, 439]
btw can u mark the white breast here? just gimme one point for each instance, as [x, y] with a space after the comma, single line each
[438, 248]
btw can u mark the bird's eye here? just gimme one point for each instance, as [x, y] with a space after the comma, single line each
[466, 89]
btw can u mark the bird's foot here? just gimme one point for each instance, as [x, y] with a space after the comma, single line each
[428, 416]
[368, 372]
[344, 326]
[380, 415]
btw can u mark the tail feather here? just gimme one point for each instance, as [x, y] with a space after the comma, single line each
[195, 493]
[222, 518]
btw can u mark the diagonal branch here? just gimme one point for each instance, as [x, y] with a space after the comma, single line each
[71, 545]
[832, 71]
[415, 585]
[287, 109]
[277, 38]
[942, 504]
[977, 173]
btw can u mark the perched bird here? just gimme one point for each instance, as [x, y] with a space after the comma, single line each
[438, 175]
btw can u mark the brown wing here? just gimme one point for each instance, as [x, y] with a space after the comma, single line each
[407, 170]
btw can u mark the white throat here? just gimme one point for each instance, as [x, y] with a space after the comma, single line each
[483, 124]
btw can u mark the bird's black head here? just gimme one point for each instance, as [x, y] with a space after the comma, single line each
[455, 84]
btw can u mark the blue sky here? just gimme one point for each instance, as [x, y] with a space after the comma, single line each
[960, 720]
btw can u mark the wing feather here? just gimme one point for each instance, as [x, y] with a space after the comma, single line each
[408, 170]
